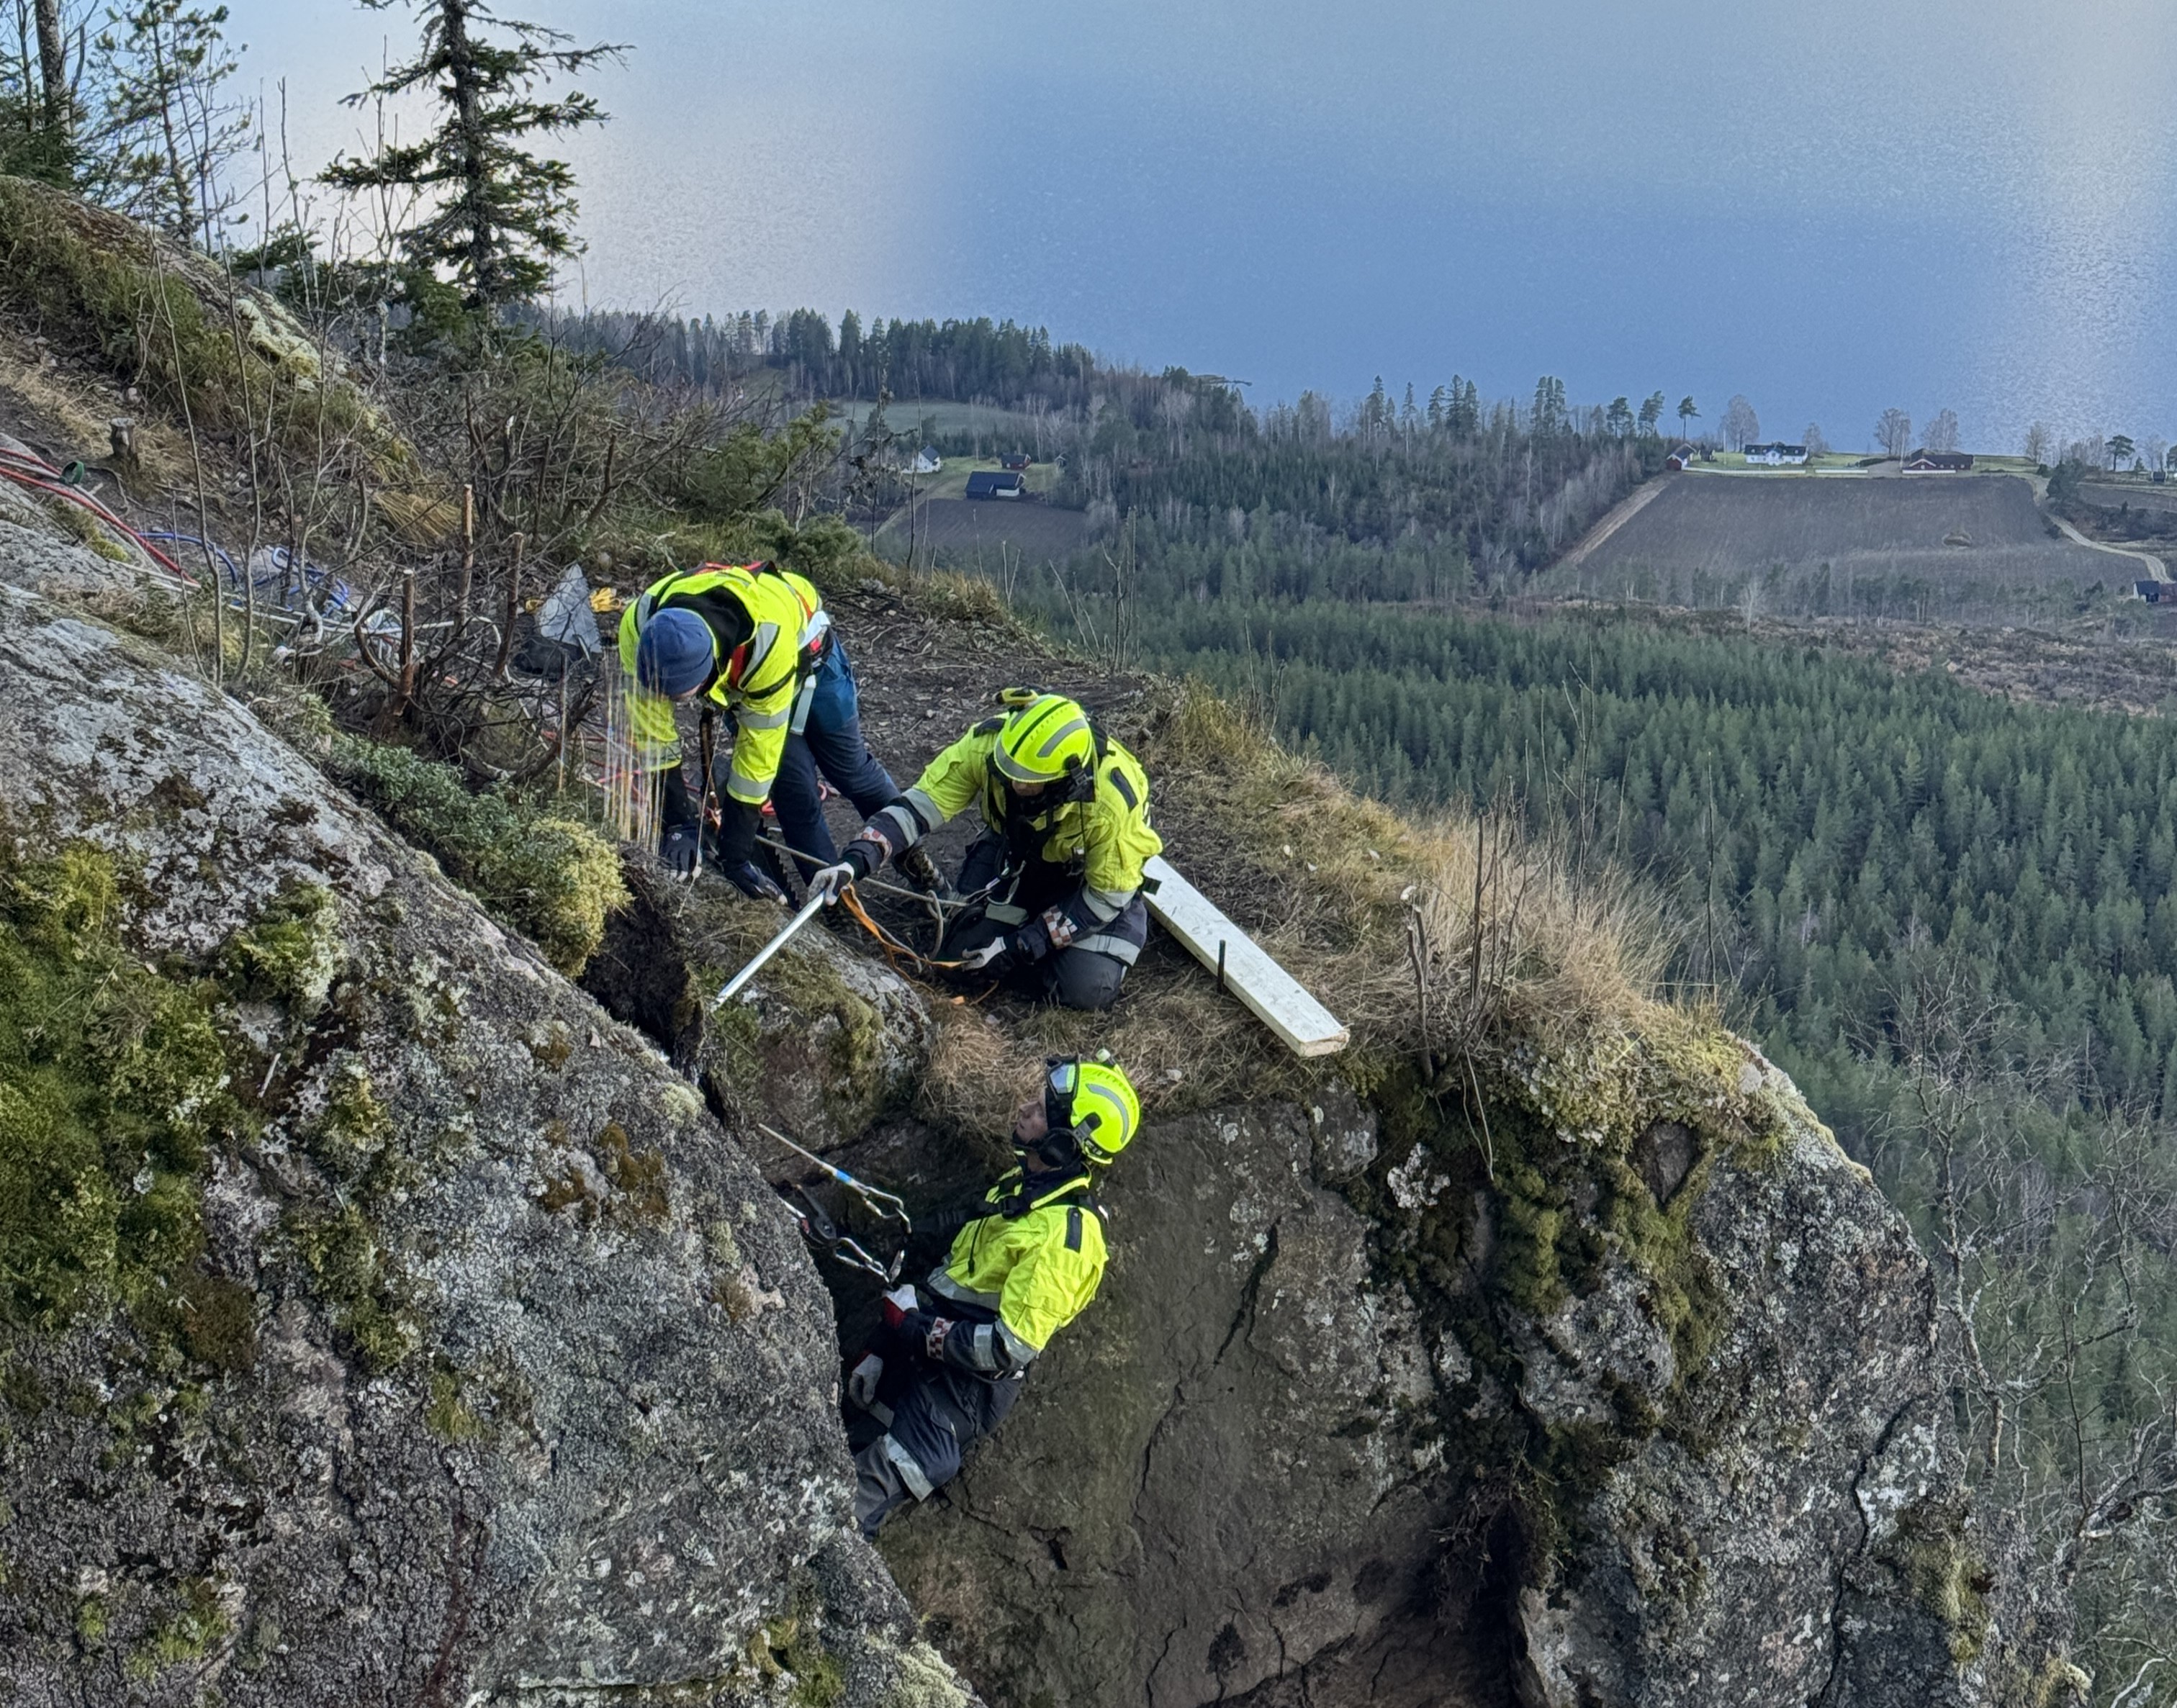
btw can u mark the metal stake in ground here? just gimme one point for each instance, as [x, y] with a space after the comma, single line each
[810, 910]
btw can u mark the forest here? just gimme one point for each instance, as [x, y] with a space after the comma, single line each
[973, 360]
[1950, 917]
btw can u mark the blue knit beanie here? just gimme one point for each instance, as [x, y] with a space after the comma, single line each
[674, 653]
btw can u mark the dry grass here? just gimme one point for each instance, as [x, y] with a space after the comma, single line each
[1437, 936]
[80, 410]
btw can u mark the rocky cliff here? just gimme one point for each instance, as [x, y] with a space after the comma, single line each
[388, 1321]
[385, 1322]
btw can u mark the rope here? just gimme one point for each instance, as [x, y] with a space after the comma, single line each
[894, 949]
[953, 904]
[41, 476]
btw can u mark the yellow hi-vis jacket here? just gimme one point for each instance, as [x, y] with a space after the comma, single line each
[1108, 836]
[1021, 1272]
[785, 621]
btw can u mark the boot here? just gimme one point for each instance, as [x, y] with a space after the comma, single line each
[921, 873]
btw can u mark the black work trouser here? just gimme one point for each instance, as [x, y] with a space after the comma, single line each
[1074, 977]
[936, 1413]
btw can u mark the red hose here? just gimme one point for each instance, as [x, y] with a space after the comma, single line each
[83, 500]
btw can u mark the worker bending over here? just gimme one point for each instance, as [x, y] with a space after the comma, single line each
[756, 639]
[1065, 818]
[1018, 1272]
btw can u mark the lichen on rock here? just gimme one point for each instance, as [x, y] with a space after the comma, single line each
[307, 1393]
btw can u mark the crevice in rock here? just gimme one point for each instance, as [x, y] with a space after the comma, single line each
[640, 977]
[1250, 1293]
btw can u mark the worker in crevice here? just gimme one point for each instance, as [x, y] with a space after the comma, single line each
[942, 1375]
[1066, 835]
[755, 640]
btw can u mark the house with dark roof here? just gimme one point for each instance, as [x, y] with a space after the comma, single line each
[1777, 455]
[1016, 461]
[986, 483]
[1939, 462]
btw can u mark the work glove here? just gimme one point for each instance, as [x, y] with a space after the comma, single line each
[993, 956]
[677, 849]
[754, 882]
[863, 855]
[862, 1380]
[898, 1302]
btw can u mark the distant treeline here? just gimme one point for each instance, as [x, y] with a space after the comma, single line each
[979, 360]
[1227, 491]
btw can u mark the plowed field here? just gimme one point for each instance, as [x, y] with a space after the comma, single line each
[1929, 546]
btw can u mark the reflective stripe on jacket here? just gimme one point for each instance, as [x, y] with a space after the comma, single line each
[785, 621]
[1025, 1276]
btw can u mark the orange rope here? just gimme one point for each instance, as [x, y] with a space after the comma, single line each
[893, 947]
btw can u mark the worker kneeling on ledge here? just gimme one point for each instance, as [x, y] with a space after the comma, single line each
[1065, 818]
[945, 1374]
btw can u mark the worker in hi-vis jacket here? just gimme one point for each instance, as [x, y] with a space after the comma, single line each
[942, 1374]
[1066, 834]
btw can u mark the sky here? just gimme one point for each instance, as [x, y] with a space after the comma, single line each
[1830, 209]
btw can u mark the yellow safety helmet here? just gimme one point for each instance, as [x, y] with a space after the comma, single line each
[1045, 740]
[1093, 1101]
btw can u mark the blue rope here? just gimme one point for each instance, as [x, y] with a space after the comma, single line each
[336, 595]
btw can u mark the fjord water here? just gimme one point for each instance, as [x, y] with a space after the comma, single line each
[1831, 208]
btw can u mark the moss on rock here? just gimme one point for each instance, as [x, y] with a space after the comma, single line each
[186, 1632]
[291, 953]
[546, 875]
[341, 1253]
[1946, 1577]
[113, 1080]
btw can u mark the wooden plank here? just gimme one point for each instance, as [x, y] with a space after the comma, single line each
[1270, 992]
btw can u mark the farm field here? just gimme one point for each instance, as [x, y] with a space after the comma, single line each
[964, 532]
[1969, 545]
[2140, 495]
[940, 418]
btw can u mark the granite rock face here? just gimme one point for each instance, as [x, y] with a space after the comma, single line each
[1647, 1419]
[524, 1388]
[1596, 1377]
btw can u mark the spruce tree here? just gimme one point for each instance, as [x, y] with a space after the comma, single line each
[494, 214]
[168, 127]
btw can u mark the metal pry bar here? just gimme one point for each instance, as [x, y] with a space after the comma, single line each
[887, 1206]
[810, 910]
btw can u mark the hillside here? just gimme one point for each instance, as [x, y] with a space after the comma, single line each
[1917, 547]
[421, 1327]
